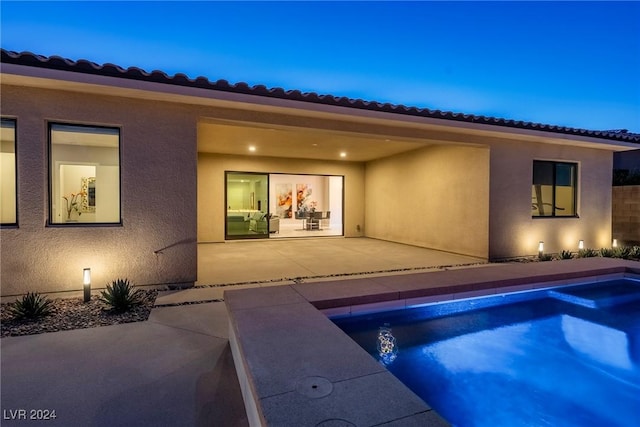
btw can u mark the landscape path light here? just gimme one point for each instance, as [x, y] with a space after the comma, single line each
[540, 248]
[581, 244]
[86, 282]
[615, 243]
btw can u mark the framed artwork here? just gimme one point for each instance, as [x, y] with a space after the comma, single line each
[284, 200]
[303, 197]
[88, 188]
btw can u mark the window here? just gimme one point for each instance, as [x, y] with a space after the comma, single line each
[84, 174]
[554, 189]
[8, 192]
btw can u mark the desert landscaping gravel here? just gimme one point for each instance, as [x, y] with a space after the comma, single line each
[73, 313]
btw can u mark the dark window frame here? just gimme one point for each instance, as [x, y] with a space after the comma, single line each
[15, 170]
[554, 184]
[50, 222]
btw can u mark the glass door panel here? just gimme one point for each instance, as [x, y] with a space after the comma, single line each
[246, 198]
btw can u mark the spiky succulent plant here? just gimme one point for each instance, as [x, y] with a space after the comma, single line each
[121, 296]
[30, 306]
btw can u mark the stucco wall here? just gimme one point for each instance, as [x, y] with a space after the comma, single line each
[626, 214]
[512, 230]
[211, 181]
[435, 197]
[158, 196]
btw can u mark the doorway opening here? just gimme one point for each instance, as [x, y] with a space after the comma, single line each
[276, 205]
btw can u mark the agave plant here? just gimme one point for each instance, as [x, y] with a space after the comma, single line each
[31, 306]
[624, 252]
[607, 252]
[121, 296]
[545, 257]
[587, 253]
[566, 255]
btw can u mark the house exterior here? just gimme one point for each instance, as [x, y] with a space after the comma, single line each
[151, 160]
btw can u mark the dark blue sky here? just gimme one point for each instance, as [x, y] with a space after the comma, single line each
[565, 63]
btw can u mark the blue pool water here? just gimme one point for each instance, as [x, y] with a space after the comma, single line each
[567, 356]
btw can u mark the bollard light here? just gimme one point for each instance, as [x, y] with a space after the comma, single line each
[540, 248]
[615, 243]
[86, 282]
[581, 244]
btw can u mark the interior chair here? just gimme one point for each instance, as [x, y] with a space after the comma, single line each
[327, 219]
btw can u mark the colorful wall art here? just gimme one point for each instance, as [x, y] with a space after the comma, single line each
[284, 202]
[303, 197]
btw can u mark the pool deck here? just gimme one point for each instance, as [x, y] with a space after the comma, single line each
[295, 367]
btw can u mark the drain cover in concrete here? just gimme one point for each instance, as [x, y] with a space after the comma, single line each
[314, 387]
[335, 423]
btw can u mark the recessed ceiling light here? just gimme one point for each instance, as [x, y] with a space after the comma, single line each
[343, 154]
[252, 148]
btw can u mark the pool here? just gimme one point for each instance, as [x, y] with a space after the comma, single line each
[566, 356]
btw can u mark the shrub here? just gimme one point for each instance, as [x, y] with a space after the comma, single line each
[635, 252]
[624, 252]
[587, 253]
[31, 306]
[607, 252]
[545, 257]
[121, 296]
[566, 255]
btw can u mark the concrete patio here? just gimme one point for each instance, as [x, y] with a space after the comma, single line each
[173, 370]
[176, 369]
[259, 263]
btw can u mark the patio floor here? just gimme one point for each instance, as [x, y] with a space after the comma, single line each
[259, 263]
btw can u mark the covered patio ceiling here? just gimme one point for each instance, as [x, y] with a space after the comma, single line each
[302, 143]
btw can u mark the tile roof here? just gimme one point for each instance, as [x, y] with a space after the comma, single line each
[180, 79]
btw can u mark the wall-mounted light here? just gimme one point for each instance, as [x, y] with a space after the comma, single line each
[540, 248]
[86, 282]
[581, 244]
[343, 154]
[252, 148]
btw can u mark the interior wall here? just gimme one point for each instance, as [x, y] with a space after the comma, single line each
[211, 168]
[335, 199]
[512, 229]
[435, 197]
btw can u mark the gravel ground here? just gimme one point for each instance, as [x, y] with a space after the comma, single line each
[73, 313]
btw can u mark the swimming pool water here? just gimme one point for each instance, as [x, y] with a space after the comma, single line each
[567, 356]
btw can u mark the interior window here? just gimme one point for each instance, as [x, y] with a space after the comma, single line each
[84, 174]
[554, 189]
[8, 192]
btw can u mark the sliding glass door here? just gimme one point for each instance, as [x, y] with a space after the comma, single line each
[247, 201]
[276, 205]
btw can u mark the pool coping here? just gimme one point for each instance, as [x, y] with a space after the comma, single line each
[296, 367]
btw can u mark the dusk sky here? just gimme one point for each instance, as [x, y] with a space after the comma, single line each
[573, 64]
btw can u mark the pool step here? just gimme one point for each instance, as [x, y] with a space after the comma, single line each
[601, 294]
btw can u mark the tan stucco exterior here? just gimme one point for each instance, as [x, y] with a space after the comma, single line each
[436, 197]
[450, 185]
[156, 241]
[512, 230]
